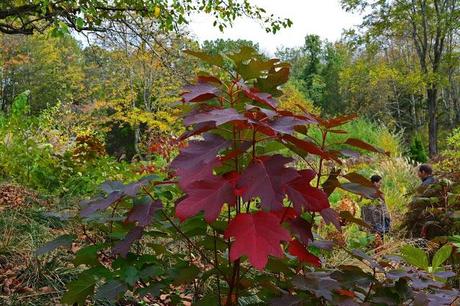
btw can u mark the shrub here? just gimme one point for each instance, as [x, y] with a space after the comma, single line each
[417, 150]
[377, 135]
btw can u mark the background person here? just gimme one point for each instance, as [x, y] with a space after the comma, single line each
[376, 213]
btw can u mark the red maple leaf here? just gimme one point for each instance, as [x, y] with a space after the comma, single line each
[330, 216]
[199, 92]
[208, 195]
[287, 124]
[301, 228]
[257, 236]
[266, 178]
[304, 196]
[306, 146]
[198, 156]
[189, 176]
[298, 250]
[217, 116]
[261, 97]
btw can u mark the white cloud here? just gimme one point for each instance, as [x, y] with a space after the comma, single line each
[322, 17]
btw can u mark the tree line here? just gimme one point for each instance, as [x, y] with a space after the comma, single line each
[400, 67]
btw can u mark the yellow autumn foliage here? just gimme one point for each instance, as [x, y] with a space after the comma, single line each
[292, 97]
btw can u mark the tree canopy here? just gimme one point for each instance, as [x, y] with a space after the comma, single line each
[29, 16]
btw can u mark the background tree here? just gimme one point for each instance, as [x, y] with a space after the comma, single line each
[50, 68]
[429, 24]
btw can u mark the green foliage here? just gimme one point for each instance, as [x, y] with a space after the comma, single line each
[415, 256]
[417, 150]
[54, 63]
[419, 258]
[372, 133]
[399, 180]
[18, 18]
[43, 152]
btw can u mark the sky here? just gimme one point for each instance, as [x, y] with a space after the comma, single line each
[322, 17]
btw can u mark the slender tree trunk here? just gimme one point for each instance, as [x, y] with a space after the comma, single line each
[432, 94]
[456, 110]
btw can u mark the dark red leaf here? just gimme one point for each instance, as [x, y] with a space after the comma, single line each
[306, 146]
[133, 188]
[361, 255]
[234, 153]
[298, 250]
[363, 145]
[142, 213]
[266, 112]
[189, 176]
[338, 131]
[123, 246]
[208, 79]
[263, 128]
[304, 196]
[286, 214]
[208, 195]
[318, 283]
[367, 192]
[199, 92]
[350, 153]
[330, 216]
[287, 300]
[216, 116]
[286, 125]
[331, 182]
[197, 129]
[261, 97]
[301, 228]
[199, 153]
[347, 216]
[323, 244]
[309, 115]
[90, 207]
[265, 178]
[334, 122]
[257, 236]
[357, 178]
[345, 292]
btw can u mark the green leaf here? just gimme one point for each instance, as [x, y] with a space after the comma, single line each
[151, 271]
[278, 266]
[208, 243]
[78, 290]
[209, 299]
[245, 53]
[415, 256]
[111, 290]
[80, 23]
[194, 226]
[153, 289]
[455, 239]
[183, 275]
[61, 241]
[88, 255]
[130, 275]
[216, 60]
[441, 256]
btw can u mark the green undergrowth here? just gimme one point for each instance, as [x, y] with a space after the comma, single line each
[35, 281]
